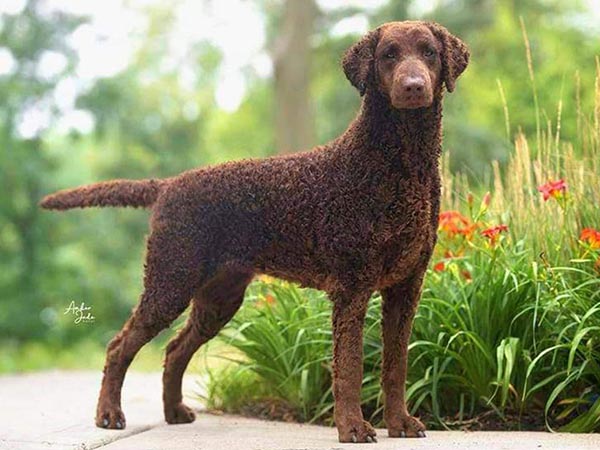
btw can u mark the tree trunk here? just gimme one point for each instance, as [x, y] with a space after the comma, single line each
[294, 126]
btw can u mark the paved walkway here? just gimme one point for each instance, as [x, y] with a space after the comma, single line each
[54, 410]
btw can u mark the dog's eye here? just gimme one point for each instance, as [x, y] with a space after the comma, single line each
[389, 55]
[429, 52]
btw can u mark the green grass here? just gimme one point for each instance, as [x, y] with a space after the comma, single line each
[285, 344]
[518, 338]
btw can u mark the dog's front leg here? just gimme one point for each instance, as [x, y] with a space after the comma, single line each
[399, 306]
[348, 317]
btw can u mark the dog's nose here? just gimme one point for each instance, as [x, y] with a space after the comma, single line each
[411, 89]
[413, 84]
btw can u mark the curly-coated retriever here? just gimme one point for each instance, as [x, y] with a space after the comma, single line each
[351, 217]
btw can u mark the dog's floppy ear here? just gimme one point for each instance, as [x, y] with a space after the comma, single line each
[358, 61]
[455, 55]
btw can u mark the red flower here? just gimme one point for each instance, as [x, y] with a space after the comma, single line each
[494, 232]
[439, 267]
[554, 189]
[591, 236]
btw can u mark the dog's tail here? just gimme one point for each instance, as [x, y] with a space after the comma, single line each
[134, 193]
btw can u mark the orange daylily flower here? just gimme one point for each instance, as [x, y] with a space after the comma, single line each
[591, 236]
[453, 223]
[450, 254]
[266, 301]
[494, 232]
[470, 230]
[554, 189]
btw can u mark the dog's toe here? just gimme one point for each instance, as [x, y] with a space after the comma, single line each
[179, 414]
[358, 432]
[406, 426]
[111, 418]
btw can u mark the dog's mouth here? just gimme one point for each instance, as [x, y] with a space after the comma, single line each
[411, 104]
[411, 100]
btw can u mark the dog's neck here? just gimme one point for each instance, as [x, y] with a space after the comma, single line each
[409, 140]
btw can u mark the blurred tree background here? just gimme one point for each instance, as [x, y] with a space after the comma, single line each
[142, 88]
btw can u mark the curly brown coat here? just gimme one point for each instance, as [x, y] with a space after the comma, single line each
[351, 217]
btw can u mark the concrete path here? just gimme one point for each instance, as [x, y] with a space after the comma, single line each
[54, 410]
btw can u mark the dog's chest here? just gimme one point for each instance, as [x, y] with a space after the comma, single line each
[403, 231]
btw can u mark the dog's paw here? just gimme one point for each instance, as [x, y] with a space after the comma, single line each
[110, 417]
[406, 426]
[361, 431]
[179, 413]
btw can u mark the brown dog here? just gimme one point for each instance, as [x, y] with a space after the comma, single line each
[351, 217]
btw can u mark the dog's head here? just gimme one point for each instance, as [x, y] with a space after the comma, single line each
[407, 62]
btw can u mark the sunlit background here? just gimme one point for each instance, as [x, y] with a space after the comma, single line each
[93, 90]
[115, 31]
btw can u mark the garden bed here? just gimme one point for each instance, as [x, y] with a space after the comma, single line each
[507, 334]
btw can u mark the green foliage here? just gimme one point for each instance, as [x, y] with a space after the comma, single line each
[515, 337]
[25, 168]
[287, 344]
[251, 139]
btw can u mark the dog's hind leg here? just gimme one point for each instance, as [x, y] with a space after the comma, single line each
[213, 306]
[169, 282]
